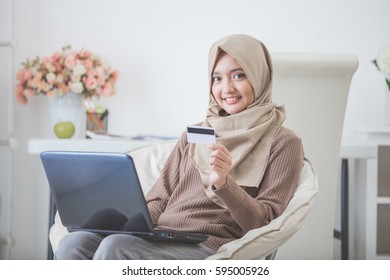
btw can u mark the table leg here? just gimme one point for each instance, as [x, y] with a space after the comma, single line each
[344, 210]
[52, 213]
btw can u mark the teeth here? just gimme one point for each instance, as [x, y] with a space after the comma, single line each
[231, 98]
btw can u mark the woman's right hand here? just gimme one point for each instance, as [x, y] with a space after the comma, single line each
[220, 164]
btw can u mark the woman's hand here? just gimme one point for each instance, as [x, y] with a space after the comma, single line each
[220, 164]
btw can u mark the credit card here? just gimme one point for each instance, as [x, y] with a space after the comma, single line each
[200, 135]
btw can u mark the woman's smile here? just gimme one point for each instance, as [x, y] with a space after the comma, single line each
[232, 100]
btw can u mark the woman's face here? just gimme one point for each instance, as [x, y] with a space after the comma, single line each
[230, 85]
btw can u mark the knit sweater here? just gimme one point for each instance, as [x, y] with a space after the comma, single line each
[178, 200]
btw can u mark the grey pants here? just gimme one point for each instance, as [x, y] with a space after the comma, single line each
[85, 245]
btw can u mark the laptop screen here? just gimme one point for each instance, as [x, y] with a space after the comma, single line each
[97, 191]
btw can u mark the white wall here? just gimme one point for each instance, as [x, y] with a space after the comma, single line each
[160, 48]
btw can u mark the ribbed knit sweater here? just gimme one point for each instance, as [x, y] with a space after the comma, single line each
[178, 200]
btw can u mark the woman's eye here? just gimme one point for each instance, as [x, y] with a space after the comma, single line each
[239, 76]
[216, 79]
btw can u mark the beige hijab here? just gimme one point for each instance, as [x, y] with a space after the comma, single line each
[248, 135]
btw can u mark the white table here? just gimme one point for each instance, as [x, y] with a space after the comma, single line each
[36, 146]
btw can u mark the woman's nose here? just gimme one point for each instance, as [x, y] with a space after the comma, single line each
[227, 86]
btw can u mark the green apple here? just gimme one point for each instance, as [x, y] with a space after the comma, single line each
[64, 129]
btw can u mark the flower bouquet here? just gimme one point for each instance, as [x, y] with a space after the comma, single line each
[66, 77]
[382, 62]
[79, 72]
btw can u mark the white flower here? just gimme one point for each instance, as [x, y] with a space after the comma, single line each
[76, 78]
[50, 77]
[383, 61]
[77, 87]
[79, 70]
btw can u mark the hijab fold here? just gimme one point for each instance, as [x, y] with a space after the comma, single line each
[248, 135]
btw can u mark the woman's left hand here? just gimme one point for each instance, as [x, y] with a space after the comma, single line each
[220, 164]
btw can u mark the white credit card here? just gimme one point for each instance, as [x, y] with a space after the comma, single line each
[200, 134]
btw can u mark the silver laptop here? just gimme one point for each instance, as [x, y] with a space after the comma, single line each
[100, 192]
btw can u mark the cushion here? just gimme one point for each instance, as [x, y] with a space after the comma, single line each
[149, 161]
[259, 243]
[57, 232]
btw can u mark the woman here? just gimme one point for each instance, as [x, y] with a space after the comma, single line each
[225, 189]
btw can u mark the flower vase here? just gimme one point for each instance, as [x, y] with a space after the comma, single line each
[66, 113]
[387, 107]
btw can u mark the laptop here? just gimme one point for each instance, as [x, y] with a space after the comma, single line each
[100, 192]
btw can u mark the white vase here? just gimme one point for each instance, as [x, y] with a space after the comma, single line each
[387, 107]
[64, 109]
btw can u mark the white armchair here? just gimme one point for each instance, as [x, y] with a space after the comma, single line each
[314, 88]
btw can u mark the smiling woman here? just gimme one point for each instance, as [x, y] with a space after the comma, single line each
[231, 87]
[224, 189]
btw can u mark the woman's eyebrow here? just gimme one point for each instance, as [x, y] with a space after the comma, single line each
[231, 71]
[236, 69]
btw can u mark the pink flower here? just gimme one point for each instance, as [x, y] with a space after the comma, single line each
[37, 79]
[47, 63]
[24, 75]
[21, 98]
[85, 54]
[70, 61]
[19, 89]
[59, 69]
[115, 76]
[42, 86]
[56, 57]
[99, 74]
[20, 75]
[28, 92]
[107, 89]
[90, 83]
[87, 64]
